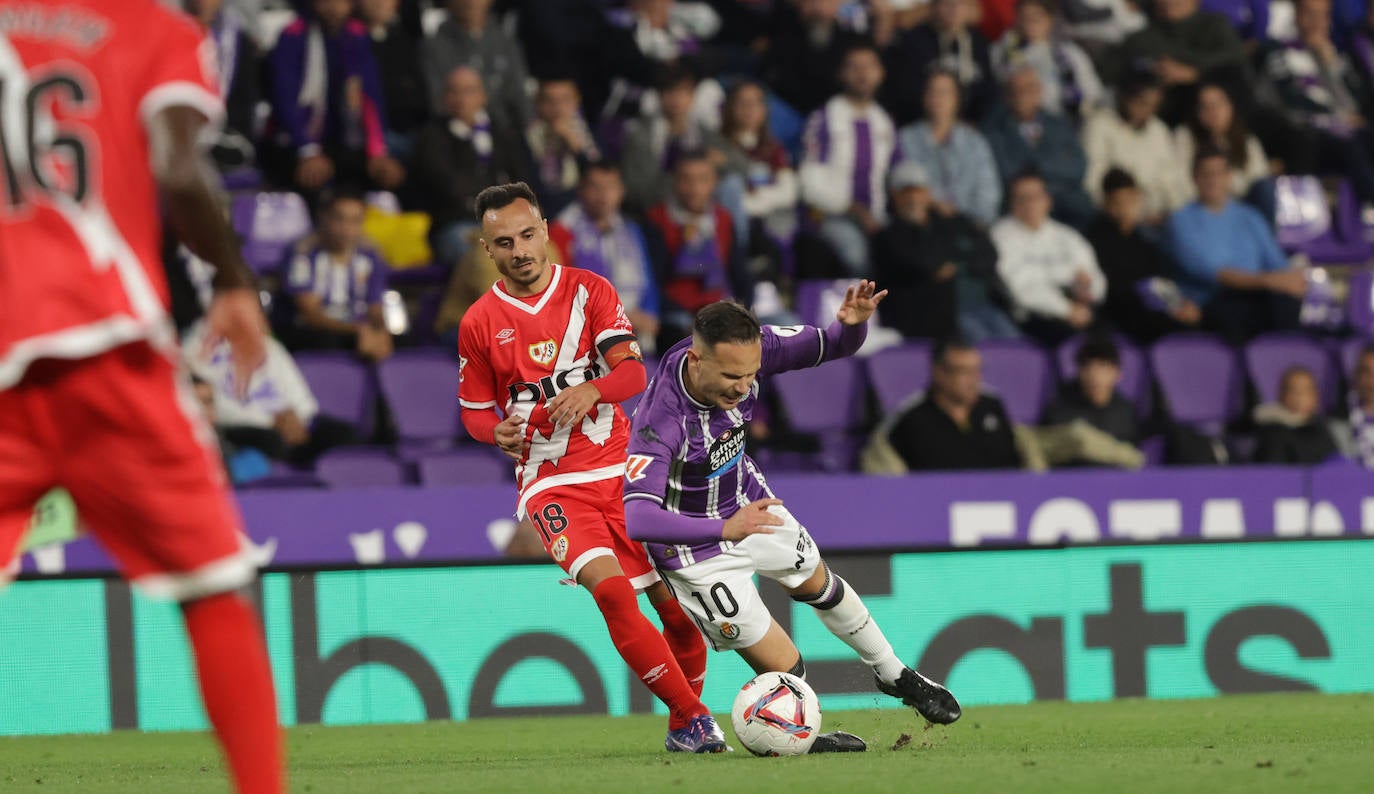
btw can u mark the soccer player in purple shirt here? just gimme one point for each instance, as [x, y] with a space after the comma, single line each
[709, 519]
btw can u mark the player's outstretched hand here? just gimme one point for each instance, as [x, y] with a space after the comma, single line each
[570, 405]
[510, 437]
[235, 316]
[752, 519]
[860, 301]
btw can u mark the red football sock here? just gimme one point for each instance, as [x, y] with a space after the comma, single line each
[236, 683]
[644, 649]
[688, 648]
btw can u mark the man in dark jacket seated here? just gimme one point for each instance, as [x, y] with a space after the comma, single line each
[1293, 430]
[1143, 299]
[940, 270]
[955, 425]
[1091, 422]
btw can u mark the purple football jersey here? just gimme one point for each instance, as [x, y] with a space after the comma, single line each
[689, 458]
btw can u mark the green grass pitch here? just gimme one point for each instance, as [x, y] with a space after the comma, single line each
[1279, 743]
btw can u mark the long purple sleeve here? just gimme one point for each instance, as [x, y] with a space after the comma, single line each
[646, 521]
[790, 347]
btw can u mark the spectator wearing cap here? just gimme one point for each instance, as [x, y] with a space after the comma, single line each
[1292, 430]
[1233, 267]
[1050, 269]
[850, 144]
[1144, 300]
[1095, 423]
[940, 269]
[955, 425]
[1131, 137]
[1023, 136]
[957, 157]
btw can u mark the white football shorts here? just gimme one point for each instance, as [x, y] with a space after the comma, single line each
[719, 592]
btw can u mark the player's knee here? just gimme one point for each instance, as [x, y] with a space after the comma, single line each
[615, 597]
[831, 591]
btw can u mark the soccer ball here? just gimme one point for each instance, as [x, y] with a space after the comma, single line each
[776, 714]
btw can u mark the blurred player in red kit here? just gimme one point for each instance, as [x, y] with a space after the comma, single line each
[552, 347]
[101, 108]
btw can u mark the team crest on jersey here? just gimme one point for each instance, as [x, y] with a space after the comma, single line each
[729, 630]
[559, 550]
[544, 352]
[635, 465]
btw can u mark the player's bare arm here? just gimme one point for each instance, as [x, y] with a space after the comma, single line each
[195, 214]
[860, 301]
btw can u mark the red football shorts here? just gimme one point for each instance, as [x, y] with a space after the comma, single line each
[122, 432]
[578, 523]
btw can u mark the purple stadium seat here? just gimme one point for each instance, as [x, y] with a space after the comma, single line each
[1268, 355]
[468, 466]
[243, 178]
[1305, 223]
[269, 224]
[342, 385]
[827, 402]
[897, 373]
[1199, 378]
[359, 467]
[421, 388]
[1019, 373]
[1135, 376]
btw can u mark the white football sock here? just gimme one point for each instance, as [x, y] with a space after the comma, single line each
[849, 620]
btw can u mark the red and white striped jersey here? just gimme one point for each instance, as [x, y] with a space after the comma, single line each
[80, 238]
[517, 353]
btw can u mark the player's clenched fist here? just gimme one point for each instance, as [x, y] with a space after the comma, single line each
[570, 405]
[752, 519]
[510, 436]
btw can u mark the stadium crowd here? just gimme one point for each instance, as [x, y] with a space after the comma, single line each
[1079, 182]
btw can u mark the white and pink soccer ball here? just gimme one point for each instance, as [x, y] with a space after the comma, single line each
[776, 714]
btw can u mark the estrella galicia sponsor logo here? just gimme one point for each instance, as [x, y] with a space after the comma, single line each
[724, 451]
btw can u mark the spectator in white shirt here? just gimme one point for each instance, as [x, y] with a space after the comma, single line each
[850, 143]
[1132, 137]
[1050, 269]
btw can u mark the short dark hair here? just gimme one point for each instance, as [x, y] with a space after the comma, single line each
[726, 321]
[334, 195]
[1097, 348]
[498, 196]
[1024, 175]
[1206, 153]
[1133, 84]
[604, 166]
[692, 155]
[1117, 179]
[675, 76]
[863, 44]
[943, 347]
